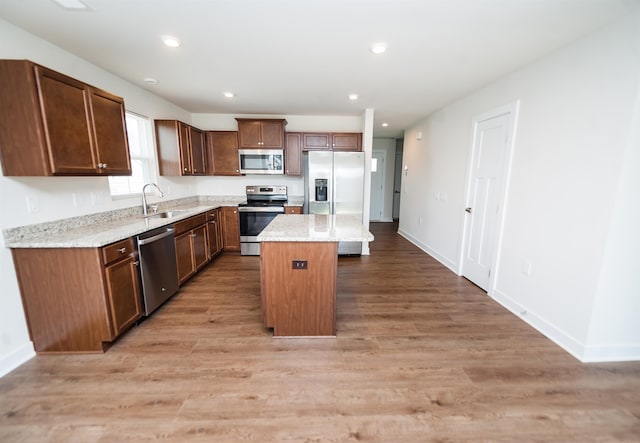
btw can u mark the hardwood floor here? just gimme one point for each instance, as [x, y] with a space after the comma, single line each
[421, 355]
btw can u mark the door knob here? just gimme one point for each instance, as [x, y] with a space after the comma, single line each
[468, 210]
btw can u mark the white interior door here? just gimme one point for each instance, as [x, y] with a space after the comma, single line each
[490, 151]
[377, 185]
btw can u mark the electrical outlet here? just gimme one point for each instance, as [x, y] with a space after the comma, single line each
[299, 264]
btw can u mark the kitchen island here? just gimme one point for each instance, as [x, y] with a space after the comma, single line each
[298, 272]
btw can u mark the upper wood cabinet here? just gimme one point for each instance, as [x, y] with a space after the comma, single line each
[181, 148]
[222, 153]
[261, 133]
[332, 141]
[52, 124]
[312, 142]
[346, 141]
[293, 153]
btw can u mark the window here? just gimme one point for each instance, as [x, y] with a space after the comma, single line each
[141, 151]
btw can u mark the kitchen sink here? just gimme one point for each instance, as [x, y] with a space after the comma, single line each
[166, 214]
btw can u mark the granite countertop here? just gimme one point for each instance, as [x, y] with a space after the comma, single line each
[97, 230]
[315, 228]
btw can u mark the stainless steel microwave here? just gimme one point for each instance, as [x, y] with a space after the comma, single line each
[261, 161]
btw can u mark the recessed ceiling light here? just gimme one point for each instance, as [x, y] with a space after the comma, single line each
[172, 42]
[384, 125]
[353, 96]
[150, 81]
[378, 48]
[229, 94]
[75, 5]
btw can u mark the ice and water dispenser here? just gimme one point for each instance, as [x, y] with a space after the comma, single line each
[321, 189]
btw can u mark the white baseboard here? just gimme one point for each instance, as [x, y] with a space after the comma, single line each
[582, 352]
[11, 361]
[433, 253]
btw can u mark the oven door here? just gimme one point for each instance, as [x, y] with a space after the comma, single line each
[252, 221]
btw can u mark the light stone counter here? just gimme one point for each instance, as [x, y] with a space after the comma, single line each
[315, 228]
[97, 230]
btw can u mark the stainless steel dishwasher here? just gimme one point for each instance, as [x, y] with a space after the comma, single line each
[158, 267]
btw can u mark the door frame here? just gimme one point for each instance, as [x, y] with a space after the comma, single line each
[512, 109]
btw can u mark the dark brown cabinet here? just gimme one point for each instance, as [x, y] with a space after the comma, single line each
[191, 246]
[261, 133]
[293, 210]
[293, 154]
[346, 141]
[123, 287]
[230, 228]
[313, 142]
[214, 233]
[78, 299]
[181, 148]
[222, 152]
[53, 124]
[332, 141]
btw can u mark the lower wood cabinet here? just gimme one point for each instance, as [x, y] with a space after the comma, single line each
[192, 247]
[214, 233]
[230, 228]
[293, 209]
[78, 299]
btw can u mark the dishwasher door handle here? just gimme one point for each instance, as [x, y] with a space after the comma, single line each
[146, 241]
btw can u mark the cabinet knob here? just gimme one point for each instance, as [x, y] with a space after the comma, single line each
[195, 170]
[185, 170]
[122, 250]
[194, 235]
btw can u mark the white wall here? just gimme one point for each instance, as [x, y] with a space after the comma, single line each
[572, 139]
[614, 320]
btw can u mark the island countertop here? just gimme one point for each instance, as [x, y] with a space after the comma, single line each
[315, 228]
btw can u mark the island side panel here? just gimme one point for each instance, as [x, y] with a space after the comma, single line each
[299, 302]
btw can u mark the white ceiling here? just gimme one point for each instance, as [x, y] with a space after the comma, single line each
[304, 57]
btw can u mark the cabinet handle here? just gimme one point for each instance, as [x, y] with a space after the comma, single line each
[137, 263]
[122, 250]
[194, 235]
[104, 165]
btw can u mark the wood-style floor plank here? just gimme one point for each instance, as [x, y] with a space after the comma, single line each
[420, 355]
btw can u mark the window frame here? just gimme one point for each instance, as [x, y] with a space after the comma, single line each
[148, 160]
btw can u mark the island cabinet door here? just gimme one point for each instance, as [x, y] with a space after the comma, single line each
[299, 287]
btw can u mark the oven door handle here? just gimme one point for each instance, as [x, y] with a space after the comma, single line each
[278, 210]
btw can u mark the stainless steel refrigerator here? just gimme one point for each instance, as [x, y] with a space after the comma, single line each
[334, 184]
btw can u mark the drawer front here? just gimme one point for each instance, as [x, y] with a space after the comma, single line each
[118, 250]
[212, 216]
[190, 223]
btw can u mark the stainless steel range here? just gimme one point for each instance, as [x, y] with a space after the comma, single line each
[263, 204]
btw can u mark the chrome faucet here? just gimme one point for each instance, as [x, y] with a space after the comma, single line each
[145, 207]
